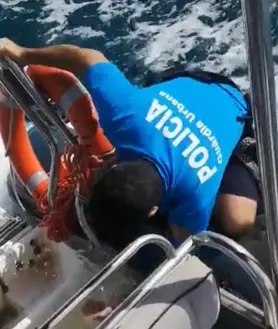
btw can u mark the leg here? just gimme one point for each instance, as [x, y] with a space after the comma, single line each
[238, 201]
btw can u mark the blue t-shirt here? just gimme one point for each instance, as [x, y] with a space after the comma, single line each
[187, 128]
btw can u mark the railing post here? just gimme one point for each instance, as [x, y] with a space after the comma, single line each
[261, 70]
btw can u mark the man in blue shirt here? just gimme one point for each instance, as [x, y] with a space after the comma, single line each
[173, 140]
[239, 197]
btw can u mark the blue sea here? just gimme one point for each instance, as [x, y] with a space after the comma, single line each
[141, 36]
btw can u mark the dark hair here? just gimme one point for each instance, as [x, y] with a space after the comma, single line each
[122, 198]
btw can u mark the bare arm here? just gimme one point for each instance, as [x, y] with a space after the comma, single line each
[67, 57]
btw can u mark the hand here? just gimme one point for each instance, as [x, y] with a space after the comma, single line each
[10, 49]
[98, 310]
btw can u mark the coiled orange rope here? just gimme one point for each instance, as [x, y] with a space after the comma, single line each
[61, 220]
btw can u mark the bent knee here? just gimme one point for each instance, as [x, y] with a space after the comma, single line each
[235, 214]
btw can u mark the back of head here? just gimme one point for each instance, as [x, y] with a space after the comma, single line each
[122, 198]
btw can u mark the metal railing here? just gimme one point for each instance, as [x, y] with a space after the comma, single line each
[109, 269]
[231, 249]
[261, 70]
[79, 208]
[28, 85]
[250, 266]
[242, 308]
[16, 90]
[11, 227]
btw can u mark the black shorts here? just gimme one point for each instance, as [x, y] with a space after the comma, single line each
[238, 180]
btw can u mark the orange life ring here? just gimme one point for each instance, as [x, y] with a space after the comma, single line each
[68, 92]
[19, 149]
[74, 99]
